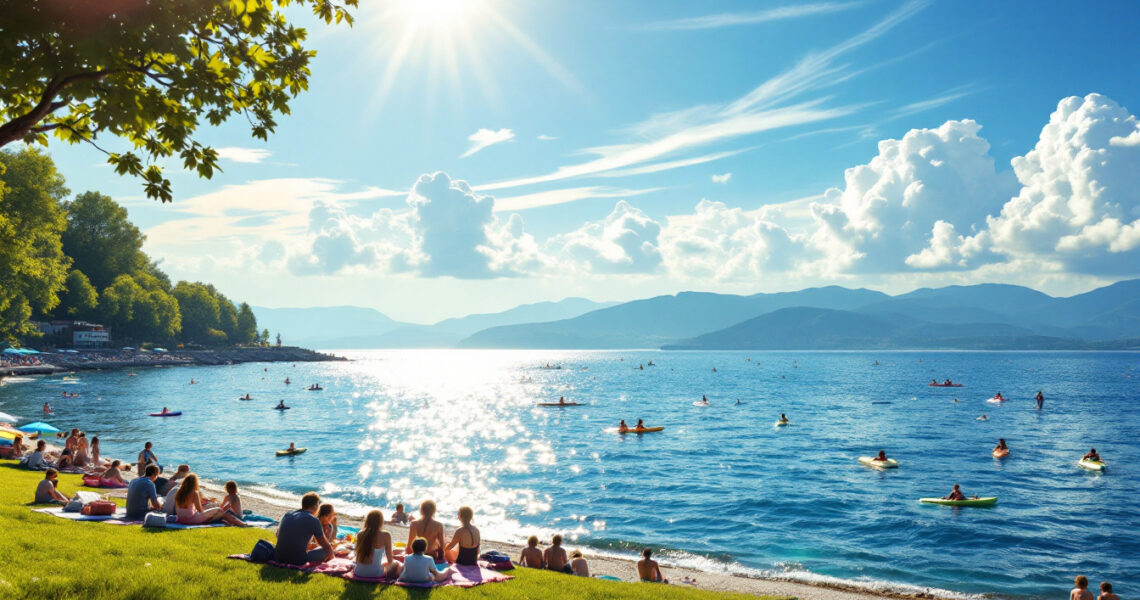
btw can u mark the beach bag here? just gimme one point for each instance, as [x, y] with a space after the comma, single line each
[154, 519]
[263, 551]
[497, 561]
[99, 508]
[79, 500]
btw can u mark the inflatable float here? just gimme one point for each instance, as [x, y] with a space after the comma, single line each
[1092, 465]
[170, 413]
[1001, 453]
[870, 461]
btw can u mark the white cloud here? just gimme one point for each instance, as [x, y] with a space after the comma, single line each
[487, 137]
[243, 155]
[546, 138]
[765, 108]
[751, 18]
[1080, 198]
[932, 103]
[900, 209]
[724, 244]
[722, 178]
[626, 241]
[563, 196]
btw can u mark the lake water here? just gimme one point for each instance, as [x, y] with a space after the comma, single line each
[720, 488]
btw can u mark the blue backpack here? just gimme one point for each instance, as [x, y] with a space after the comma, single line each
[263, 551]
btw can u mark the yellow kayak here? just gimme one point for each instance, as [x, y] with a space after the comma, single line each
[292, 452]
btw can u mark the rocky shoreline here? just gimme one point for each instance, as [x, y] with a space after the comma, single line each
[52, 363]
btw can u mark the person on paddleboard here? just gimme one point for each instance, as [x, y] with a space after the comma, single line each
[1040, 399]
[783, 418]
[882, 457]
[1092, 455]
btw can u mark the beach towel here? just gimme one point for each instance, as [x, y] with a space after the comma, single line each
[112, 520]
[461, 576]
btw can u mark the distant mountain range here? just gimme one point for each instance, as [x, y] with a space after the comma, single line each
[346, 327]
[987, 316]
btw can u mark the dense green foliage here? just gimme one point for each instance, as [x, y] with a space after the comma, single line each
[42, 553]
[149, 73]
[83, 260]
[32, 263]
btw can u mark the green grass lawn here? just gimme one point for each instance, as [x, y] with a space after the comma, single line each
[47, 557]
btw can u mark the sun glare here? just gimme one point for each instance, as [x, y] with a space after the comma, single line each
[438, 15]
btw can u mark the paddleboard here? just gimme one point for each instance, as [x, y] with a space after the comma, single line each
[1001, 453]
[643, 430]
[870, 461]
[992, 500]
[548, 404]
[699, 403]
[173, 413]
[1092, 465]
[291, 452]
[997, 400]
[280, 408]
[944, 385]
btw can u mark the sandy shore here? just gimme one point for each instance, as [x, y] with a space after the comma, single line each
[620, 567]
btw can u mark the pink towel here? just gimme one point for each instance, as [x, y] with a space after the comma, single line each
[461, 576]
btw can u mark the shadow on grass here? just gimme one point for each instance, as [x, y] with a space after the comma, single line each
[356, 590]
[281, 575]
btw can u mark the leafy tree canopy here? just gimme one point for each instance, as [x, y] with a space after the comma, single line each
[101, 240]
[150, 71]
[79, 299]
[33, 266]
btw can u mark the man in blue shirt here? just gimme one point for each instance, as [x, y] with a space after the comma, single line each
[296, 529]
[140, 491]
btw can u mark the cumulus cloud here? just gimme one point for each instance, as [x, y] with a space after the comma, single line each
[1079, 203]
[722, 178]
[725, 243]
[626, 241]
[447, 230]
[243, 155]
[487, 137]
[918, 204]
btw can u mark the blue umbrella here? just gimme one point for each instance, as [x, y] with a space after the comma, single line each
[38, 427]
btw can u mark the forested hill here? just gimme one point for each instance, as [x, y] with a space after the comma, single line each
[81, 259]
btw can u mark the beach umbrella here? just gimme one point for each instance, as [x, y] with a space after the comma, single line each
[6, 435]
[5, 441]
[9, 418]
[38, 427]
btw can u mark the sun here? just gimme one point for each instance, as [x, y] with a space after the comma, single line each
[436, 15]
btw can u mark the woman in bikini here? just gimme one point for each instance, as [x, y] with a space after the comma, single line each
[467, 538]
[374, 550]
[188, 506]
[429, 529]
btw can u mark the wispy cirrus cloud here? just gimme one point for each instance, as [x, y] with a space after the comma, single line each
[487, 137]
[565, 195]
[771, 105]
[722, 178]
[779, 13]
[932, 103]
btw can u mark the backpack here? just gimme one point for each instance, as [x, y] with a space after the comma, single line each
[99, 508]
[154, 519]
[263, 551]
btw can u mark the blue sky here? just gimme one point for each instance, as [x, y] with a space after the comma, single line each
[638, 148]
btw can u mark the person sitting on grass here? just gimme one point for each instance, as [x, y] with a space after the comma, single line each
[555, 557]
[1105, 588]
[399, 517]
[46, 492]
[531, 555]
[578, 564]
[648, 570]
[419, 567]
[141, 494]
[428, 529]
[35, 460]
[467, 538]
[188, 506]
[232, 502]
[374, 550]
[1081, 591]
[296, 529]
[112, 473]
[327, 516]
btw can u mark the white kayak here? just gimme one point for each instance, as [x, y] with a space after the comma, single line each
[699, 403]
[1092, 465]
[870, 461]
